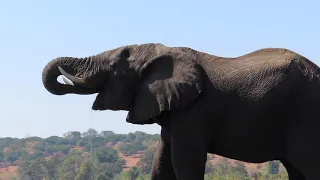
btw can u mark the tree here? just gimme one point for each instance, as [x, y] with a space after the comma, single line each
[133, 173]
[95, 142]
[68, 168]
[132, 148]
[131, 137]
[106, 154]
[282, 175]
[107, 162]
[32, 138]
[123, 175]
[256, 175]
[273, 167]
[104, 170]
[50, 167]
[51, 149]
[238, 171]
[52, 140]
[106, 133]
[82, 142]
[40, 146]
[145, 162]
[85, 171]
[63, 148]
[2, 158]
[105, 175]
[90, 133]
[40, 162]
[209, 167]
[63, 141]
[72, 135]
[30, 170]
[221, 168]
[34, 155]
[12, 156]
[114, 138]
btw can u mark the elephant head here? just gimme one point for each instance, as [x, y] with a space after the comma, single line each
[143, 79]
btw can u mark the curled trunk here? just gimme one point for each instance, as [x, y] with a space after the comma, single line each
[73, 66]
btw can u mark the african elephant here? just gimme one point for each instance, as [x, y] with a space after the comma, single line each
[256, 107]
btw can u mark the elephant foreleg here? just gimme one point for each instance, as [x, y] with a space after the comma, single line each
[189, 143]
[162, 165]
[188, 164]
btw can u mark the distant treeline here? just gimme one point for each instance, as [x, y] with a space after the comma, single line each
[93, 155]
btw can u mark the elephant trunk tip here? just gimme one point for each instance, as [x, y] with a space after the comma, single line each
[50, 74]
[72, 84]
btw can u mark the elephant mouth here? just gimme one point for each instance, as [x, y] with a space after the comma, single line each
[102, 101]
[99, 104]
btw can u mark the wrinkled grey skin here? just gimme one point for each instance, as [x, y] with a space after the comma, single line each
[256, 107]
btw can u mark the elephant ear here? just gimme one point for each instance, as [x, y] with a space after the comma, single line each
[169, 82]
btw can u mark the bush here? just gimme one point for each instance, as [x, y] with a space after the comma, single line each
[132, 148]
[63, 148]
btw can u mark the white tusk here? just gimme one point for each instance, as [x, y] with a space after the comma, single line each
[67, 81]
[73, 79]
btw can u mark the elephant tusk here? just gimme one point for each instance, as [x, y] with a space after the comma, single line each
[67, 81]
[74, 80]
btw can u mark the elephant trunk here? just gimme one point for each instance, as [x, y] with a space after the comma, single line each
[74, 66]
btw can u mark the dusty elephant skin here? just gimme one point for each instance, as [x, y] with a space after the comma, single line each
[257, 107]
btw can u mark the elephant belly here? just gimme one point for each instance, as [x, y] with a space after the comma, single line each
[251, 142]
[251, 131]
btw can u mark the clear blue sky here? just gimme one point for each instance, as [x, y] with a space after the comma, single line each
[34, 32]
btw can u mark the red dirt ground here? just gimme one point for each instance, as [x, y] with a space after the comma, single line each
[7, 173]
[130, 160]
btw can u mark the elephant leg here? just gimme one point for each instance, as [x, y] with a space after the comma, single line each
[303, 152]
[162, 168]
[293, 172]
[303, 137]
[189, 143]
[188, 163]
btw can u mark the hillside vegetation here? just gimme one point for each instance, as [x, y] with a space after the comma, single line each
[108, 156]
